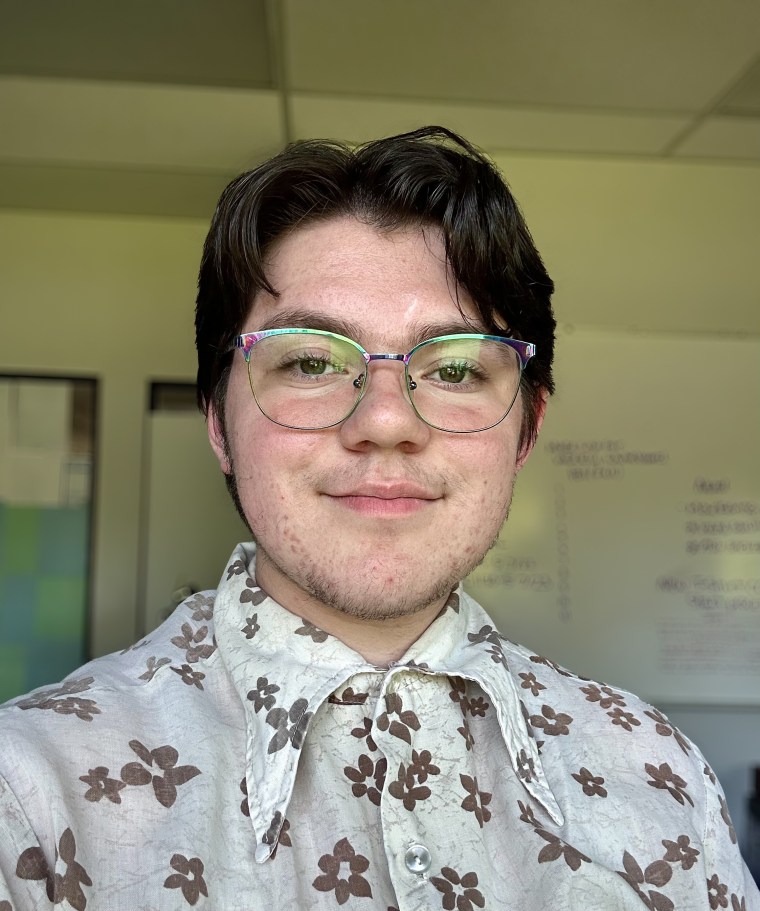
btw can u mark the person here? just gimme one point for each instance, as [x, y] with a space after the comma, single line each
[340, 724]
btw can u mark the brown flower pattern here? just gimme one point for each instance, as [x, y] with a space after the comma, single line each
[726, 817]
[278, 833]
[252, 594]
[555, 847]
[236, 568]
[367, 770]
[193, 643]
[658, 874]
[102, 786]
[162, 759]
[189, 676]
[380, 785]
[245, 808]
[680, 852]
[476, 801]
[457, 891]
[627, 720]
[251, 626]
[404, 722]
[529, 682]
[188, 878]
[263, 697]
[64, 699]
[331, 865]
[604, 695]
[550, 722]
[717, 892]
[201, 607]
[591, 784]
[365, 733]
[557, 668]
[408, 786]
[312, 631]
[665, 729]
[526, 767]
[348, 697]
[664, 778]
[152, 666]
[290, 725]
[60, 887]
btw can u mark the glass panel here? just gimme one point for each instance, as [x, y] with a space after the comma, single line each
[47, 445]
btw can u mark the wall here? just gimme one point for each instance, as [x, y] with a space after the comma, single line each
[631, 244]
[110, 298]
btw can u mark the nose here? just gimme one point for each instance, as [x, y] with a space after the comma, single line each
[384, 417]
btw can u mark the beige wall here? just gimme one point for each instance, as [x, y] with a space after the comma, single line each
[110, 298]
[630, 243]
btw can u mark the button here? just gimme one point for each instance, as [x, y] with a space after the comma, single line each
[417, 859]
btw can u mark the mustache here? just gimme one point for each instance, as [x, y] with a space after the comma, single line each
[355, 477]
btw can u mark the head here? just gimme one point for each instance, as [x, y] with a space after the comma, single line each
[430, 178]
[423, 204]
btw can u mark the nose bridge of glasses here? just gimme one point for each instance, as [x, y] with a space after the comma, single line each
[368, 358]
[386, 357]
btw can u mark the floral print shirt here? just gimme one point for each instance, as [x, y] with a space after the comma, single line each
[242, 758]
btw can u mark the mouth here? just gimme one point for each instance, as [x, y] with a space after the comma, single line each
[385, 500]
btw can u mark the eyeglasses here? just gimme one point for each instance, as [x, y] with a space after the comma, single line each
[307, 379]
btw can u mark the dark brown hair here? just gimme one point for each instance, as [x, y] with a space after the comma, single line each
[429, 177]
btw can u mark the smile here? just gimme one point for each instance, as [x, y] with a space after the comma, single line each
[381, 504]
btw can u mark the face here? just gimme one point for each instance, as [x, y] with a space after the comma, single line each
[382, 515]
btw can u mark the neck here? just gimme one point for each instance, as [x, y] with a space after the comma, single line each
[381, 641]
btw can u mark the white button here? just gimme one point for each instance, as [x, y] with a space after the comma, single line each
[417, 859]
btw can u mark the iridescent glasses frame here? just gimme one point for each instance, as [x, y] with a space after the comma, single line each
[309, 379]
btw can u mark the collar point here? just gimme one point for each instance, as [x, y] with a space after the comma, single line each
[263, 853]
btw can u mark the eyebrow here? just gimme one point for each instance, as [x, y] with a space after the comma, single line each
[416, 332]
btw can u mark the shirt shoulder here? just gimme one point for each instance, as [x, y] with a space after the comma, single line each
[142, 687]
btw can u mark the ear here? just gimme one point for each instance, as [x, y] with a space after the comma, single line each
[218, 440]
[525, 451]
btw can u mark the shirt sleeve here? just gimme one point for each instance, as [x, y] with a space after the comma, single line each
[729, 883]
[26, 881]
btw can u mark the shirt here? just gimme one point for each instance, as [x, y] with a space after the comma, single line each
[242, 758]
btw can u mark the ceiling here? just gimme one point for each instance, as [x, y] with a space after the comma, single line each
[151, 106]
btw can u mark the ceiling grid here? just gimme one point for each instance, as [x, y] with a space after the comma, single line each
[158, 102]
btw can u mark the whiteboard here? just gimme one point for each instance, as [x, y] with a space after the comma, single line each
[632, 551]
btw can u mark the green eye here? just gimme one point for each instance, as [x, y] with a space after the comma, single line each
[454, 373]
[312, 366]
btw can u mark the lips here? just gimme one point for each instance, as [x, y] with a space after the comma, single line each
[384, 500]
[388, 491]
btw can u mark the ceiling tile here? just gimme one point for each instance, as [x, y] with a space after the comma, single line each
[190, 42]
[137, 125]
[646, 55]
[723, 137]
[489, 126]
[73, 189]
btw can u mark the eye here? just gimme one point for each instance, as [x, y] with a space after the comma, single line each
[313, 366]
[454, 372]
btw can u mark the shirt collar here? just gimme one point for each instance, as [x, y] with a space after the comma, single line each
[283, 668]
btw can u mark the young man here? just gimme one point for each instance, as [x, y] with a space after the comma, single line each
[340, 724]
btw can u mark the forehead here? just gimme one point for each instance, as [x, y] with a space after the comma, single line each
[384, 285]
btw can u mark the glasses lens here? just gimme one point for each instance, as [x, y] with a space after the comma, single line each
[463, 385]
[306, 380]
